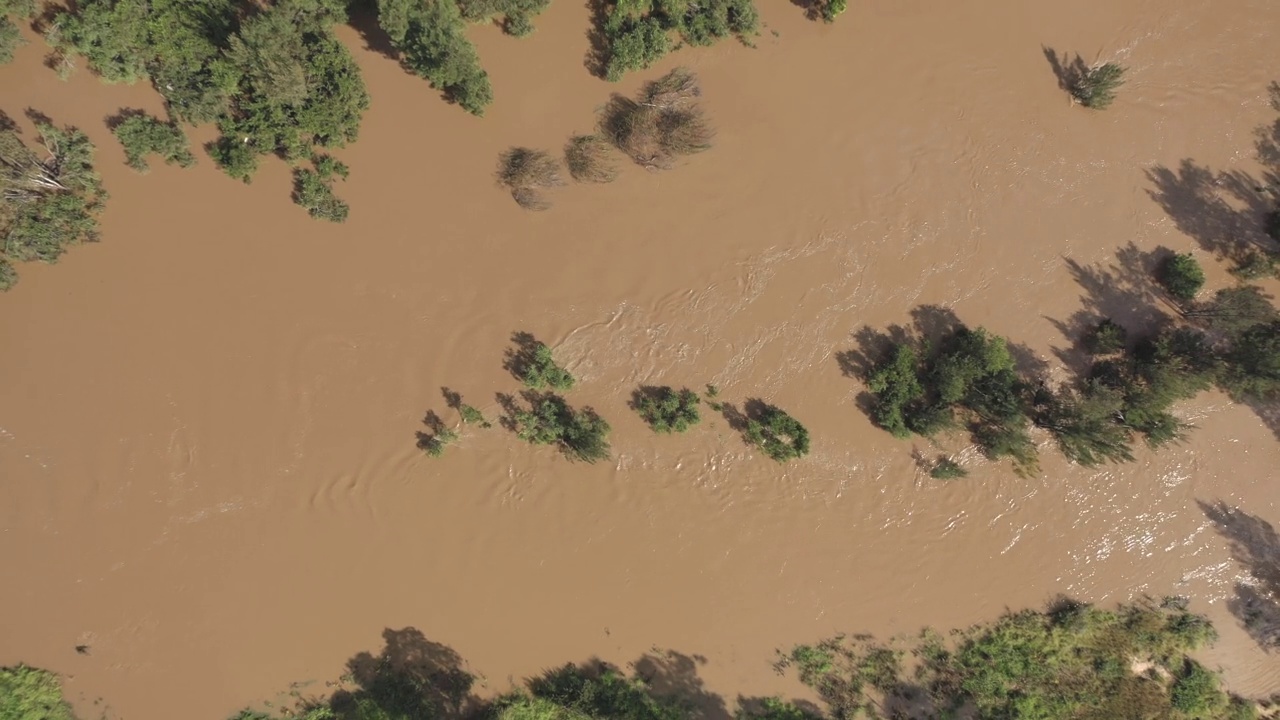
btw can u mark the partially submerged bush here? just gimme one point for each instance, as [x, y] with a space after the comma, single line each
[947, 469]
[667, 410]
[779, 435]
[313, 189]
[1106, 337]
[580, 434]
[1182, 277]
[532, 363]
[1096, 87]
[10, 39]
[589, 159]
[525, 173]
[664, 124]
[49, 200]
[143, 135]
[27, 693]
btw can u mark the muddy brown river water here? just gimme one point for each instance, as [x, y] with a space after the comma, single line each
[207, 420]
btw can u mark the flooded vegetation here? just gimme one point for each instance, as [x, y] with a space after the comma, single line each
[909, 318]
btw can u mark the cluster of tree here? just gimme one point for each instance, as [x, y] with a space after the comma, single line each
[10, 35]
[662, 124]
[141, 135]
[967, 378]
[1071, 661]
[313, 189]
[1093, 86]
[50, 196]
[666, 409]
[430, 36]
[517, 15]
[636, 33]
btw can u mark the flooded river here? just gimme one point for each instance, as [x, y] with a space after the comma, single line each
[207, 420]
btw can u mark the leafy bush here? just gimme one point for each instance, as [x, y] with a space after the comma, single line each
[581, 434]
[30, 694]
[947, 469]
[10, 39]
[1096, 87]
[1106, 337]
[434, 444]
[49, 201]
[1196, 693]
[779, 435]
[637, 32]
[1182, 277]
[313, 189]
[143, 135]
[525, 173]
[829, 10]
[431, 38]
[472, 416]
[532, 363]
[589, 159]
[517, 14]
[665, 409]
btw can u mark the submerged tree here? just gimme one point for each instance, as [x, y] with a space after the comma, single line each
[637, 32]
[667, 410]
[526, 173]
[663, 124]
[1096, 87]
[49, 199]
[1182, 277]
[779, 435]
[430, 36]
[580, 434]
[143, 135]
[313, 189]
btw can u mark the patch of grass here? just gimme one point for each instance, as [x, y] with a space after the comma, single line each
[143, 135]
[947, 469]
[27, 693]
[590, 159]
[667, 410]
[779, 435]
[580, 434]
[526, 173]
[1096, 87]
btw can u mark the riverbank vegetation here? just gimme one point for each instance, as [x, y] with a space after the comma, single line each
[141, 135]
[637, 33]
[1067, 662]
[50, 195]
[28, 693]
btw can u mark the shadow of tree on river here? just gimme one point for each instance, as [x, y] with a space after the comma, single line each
[1254, 544]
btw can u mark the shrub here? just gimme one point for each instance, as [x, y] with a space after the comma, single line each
[1106, 337]
[313, 189]
[30, 694]
[472, 416]
[1196, 693]
[665, 409]
[1182, 277]
[662, 126]
[779, 435]
[143, 135]
[517, 14]
[581, 434]
[49, 201]
[525, 172]
[1096, 87]
[434, 444]
[589, 160]
[532, 363]
[947, 469]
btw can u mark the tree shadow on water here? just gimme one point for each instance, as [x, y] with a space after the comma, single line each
[413, 677]
[1255, 545]
[675, 675]
[1067, 69]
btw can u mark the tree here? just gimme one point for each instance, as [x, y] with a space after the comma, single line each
[517, 14]
[313, 189]
[1106, 337]
[637, 32]
[1233, 310]
[581, 434]
[896, 385]
[143, 135]
[49, 200]
[1182, 277]
[1251, 367]
[430, 35]
[667, 410]
[1096, 87]
[532, 362]
[1087, 424]
[779, 435]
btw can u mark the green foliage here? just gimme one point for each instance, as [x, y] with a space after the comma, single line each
[638, 32]
[779, 435]
[531, 361]
[666, 410]
[1251, 368]
[517, 14]
[1106, 337]
[30, 694]
[1073, 661]
[1256, 265]
[10, 39]
[1087, 424]
[49, 200]
[313, 189]
[589, 159]
[1233, 310]
[298, 87]
[580, 434]
[1096, 87]
[434, 444]
[143, 135]
[947, 469]
[1182, 277]
[774, 708]
[431, 38]
[1196, 693]
[605, 694]
[8, 276]
[897, 389]
[526, 173]
[829, 10]
[472, 416]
